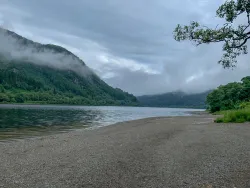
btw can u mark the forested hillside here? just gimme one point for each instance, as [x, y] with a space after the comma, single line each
[34, 73]
[175, 99]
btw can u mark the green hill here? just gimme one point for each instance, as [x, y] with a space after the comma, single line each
[175, 99]
[31, 72]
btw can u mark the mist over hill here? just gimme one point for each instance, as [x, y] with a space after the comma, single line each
[31, 72]
[15, 47]
[175, 99]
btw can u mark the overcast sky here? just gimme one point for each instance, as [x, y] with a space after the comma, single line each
[128, 43]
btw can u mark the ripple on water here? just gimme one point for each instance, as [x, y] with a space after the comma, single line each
[18, 121]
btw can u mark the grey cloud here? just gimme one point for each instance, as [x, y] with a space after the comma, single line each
[113, 24]
[134, 31]
[12, 49]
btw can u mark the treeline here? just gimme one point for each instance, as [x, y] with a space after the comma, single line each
[48, 97]
[22, 82]
[230, 96]
[175, 99]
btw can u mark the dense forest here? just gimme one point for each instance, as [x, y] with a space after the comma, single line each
[175, 99]
[230, 96]
[232, 101]
[26, 80]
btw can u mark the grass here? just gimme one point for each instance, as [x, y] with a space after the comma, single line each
[234, 116]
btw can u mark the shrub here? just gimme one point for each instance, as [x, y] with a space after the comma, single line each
[4, 97]
[235, 116]
[219, 120]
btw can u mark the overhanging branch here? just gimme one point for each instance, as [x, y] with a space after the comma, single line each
[244, 42]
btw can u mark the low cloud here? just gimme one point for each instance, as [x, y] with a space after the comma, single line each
[129, 44]
[14, 49]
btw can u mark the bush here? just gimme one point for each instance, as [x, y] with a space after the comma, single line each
[19, 98]
[235, 116]
[4, 98]
[244, 105]
[219, 120]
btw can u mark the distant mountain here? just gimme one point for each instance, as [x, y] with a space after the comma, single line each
[175, 99]
[31, 72]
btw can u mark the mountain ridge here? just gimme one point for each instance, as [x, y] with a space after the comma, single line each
[31, 72]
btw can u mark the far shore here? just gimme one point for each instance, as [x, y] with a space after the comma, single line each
[189, 151]
[47, 104]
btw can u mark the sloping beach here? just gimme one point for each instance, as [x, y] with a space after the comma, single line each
[155, 152]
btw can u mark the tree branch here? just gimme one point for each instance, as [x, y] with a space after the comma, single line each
[244, 42]
[246, 26]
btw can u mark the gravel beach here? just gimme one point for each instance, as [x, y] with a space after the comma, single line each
[149, 153]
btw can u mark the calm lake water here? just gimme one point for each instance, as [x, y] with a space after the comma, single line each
[32, 120]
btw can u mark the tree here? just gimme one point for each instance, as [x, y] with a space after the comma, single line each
[245, 93]
[230, 96]
[233, 37]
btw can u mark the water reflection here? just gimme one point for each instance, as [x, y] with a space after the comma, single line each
[32, 120]
[17, 118]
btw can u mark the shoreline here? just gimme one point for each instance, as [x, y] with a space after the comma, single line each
[41, 104]
[31, 130]
[19, 133]
[189, 151]
[68, 129]
[78, 131]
